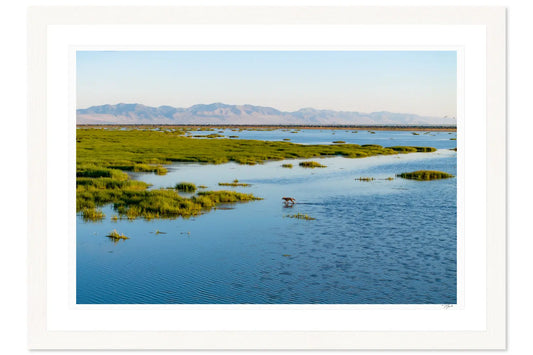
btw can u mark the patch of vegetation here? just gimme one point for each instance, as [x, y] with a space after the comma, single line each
[233, 137]
[301, 216]
[202, 187]
[116, 236]
[185, 187]
[415, 134]
[404, 149]
[150, 204]
[91, 214]
[289, 166]
[454, 149]
[225, 196]
[158, 169]
[453, 139]
[365, 179]
[311, 164]
[122, 150]
[339, 142]
[234, 183]
[425, 175]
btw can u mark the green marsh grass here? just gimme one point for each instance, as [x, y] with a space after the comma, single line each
[311, 164]
[424, 175]
[404, 149]
[116, 236]
[91, 214]
[185, 187]
[122, 150]
[301, 216]
[234, 183]
[289, 166]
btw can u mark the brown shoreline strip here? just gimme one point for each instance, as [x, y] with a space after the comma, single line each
[347, 127]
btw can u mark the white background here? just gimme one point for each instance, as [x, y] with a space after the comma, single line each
[467, 316]
[13, 139]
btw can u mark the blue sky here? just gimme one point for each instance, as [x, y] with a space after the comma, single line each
[420, 82]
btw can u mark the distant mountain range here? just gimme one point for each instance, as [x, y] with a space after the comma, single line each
[221, 114]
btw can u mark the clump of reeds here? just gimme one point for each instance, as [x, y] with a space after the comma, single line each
[300, 216]
[339, 142]
[408, 149]
[115, 236]
[225, 196]
[92, 214]
[202, 187]
[365, 178]
[425, 175]
[185, 186]
[415, 134]
[453, 139]
[311, 164]
[158, 169]
[234, 137]
[289, 166]
[234, 183]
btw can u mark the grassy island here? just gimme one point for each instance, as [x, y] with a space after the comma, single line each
[234, 183]
[300, 216]
[425, 175]
[311, 164]
[185, 187]
[116, 236]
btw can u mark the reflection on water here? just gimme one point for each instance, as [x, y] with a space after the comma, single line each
[371, 242]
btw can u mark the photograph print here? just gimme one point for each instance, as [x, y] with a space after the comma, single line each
[266, 177]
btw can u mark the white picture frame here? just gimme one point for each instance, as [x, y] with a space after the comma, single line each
[44, 333]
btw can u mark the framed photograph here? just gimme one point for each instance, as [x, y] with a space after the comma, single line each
[267, 178]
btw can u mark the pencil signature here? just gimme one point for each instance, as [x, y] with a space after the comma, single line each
[447, 306]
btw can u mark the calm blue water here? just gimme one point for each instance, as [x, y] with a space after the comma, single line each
[327, 136]
[379, 242]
